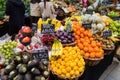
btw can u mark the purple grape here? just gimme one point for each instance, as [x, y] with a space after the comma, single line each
[73, 39]
[65, 34]
[62, 38]
[69, 37]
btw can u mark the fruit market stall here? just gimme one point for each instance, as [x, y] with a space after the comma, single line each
[77, 47]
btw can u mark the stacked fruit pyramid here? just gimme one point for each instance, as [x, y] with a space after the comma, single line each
[70, 64]
[85, 41]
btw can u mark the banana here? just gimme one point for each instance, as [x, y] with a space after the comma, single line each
[114, 39]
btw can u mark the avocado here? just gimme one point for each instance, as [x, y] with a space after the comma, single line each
[22, 69]
[28, 76]
[33, 63]
[12, 74]
[35, 71]
[17, 59]
[26, 59]
[46, 74]
[18, 77]
[9, 68]
[4, 77]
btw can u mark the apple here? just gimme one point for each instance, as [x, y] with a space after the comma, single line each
[36, 46]
[26, 39]
[26, 30]
[20, 46]
[23, 27]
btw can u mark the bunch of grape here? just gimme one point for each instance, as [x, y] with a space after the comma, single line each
[6, 49]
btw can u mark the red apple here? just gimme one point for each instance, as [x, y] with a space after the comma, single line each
[20, 46]
[36, 46]
[26, 39]
[23, 27]
[26, 30]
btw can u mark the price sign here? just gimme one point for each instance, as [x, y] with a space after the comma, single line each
[47, 29]
[89, 11]
[107, 33]
[42, 55]
[103, 12]
[68, 28]
[86, 25]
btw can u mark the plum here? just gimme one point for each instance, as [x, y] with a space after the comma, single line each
[62, 37]
[73, 39]
[69, 37]
[65, 34]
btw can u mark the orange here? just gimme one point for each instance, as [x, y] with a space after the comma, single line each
[90, 49]
[96, 49]
[81, 35]
[85, 44]
[78, 32]
[72, 72]
[77, 37]
[77, 73]
[85, 49]
[98, 44]
[63, 71]
[92, 55]
[93, 44]
[68, 69]
[99, 55]
[58, 71]
[91, 39]
[85, 33]
[82, 30]
[78, 41]
[68, 75]
[86, 55]
[82, 40]
[80, 46]
[86, 38]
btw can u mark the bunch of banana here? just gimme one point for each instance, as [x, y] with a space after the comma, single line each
[56, 50]
[114, 39]
[39, 23]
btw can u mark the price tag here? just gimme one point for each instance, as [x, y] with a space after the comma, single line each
[86, 25]
[47, 29]
[89, 11]
[107, 33]
[42, 55]
[103, 12]
[68, 29]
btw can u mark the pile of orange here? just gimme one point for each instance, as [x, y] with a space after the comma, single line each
[70, 64]
[86, 42]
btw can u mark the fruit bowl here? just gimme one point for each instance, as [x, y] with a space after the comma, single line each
[92, 62]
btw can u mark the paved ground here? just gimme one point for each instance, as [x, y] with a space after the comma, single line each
[112, 72]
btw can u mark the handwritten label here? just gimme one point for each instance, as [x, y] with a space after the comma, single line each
[107, 33]
[47, 29]
[103, 12]
[86, 25]
[42, 55]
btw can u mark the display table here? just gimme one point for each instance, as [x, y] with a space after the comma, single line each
[94, 73]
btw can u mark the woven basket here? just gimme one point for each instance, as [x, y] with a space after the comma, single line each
[92, 62]
[58, 77]
[108, 51]
[71, 44]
